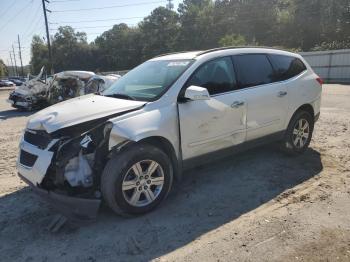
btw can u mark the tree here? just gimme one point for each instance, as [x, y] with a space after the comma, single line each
[159, 32]
[197, 29]
[199, 25]
[232, 40]
[3, 69]
[119, 48]
[70, 50]
[39, 54]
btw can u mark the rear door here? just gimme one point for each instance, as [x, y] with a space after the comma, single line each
[267, 99]
[211, 125]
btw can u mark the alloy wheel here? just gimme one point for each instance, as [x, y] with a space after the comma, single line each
[143, 183]
[301, 133]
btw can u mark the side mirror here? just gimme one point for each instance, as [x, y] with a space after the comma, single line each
[197, 93]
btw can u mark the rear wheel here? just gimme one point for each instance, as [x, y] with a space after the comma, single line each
[299, 133]
[137, 180]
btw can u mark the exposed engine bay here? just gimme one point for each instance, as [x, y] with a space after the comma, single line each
[66, 85]
[78, 160]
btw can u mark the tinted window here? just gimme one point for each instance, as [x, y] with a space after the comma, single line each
[216, 75]
[286, 66]
[253, 70]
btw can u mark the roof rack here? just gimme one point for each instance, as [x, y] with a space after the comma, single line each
[218, 49]
[233, 47]
[174, 53]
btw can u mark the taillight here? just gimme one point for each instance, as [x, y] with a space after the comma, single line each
[319, 80]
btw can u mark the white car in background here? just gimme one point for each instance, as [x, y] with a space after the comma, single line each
[172, 112]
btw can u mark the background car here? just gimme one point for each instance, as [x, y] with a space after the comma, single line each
[6, 83]
[31, 94]
[17, 80]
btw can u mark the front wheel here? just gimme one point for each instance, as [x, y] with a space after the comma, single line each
[137, 180]
[299, 133]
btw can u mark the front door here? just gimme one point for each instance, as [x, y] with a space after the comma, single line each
[210, 125]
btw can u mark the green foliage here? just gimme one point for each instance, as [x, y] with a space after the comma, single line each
[232, 40]
[3, 69]
[159, 32]
[296, 25]
[334, 45]
[39, 54]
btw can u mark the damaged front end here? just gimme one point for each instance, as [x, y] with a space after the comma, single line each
[31, 95]
[65, 167]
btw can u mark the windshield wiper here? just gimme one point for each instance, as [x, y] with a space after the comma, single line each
[122, 96]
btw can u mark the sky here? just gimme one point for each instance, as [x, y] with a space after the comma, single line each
[25, 18]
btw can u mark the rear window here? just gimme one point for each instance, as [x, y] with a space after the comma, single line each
[286, 66]
[253, 70]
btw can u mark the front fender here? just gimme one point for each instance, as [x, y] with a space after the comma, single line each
[160, 122]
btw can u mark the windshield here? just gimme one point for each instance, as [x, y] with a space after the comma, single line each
[149, 80]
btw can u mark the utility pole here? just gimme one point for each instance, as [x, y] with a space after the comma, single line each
[8, 68]
[13, 71]
[14, 59]
[20, 55]
[170, 5]
[48, 36]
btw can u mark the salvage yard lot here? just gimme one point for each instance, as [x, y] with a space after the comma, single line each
[259, 205]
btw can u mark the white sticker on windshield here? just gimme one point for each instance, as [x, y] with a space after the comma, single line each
[178, 63]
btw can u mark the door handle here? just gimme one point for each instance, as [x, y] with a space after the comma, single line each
[237, 104]
[282, 93]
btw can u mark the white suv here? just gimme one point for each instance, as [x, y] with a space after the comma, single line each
[171, 112]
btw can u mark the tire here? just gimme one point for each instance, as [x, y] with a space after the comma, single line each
[120, 173]
[292, 144]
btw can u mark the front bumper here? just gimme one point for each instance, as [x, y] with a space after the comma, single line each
[36, 172]
[74, 208]
[18, 101]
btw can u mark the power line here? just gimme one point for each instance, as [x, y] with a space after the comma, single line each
[34, 28]
[83, 27]
[9, 8]
[107, 7]
[13, 17]
[98, 20]
[63, 1]
[34, 18]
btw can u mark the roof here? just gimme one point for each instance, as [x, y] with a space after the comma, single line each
[78, 74]
[111, 77]
[232, 50]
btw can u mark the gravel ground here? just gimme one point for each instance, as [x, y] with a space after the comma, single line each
[259, 205]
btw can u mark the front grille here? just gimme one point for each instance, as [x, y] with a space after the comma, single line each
[13, 97]
[17, 98]
[40, 139]
[27, 159]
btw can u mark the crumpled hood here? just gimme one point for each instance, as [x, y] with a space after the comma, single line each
[79, 110]
[22, 90]
[31, 88]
